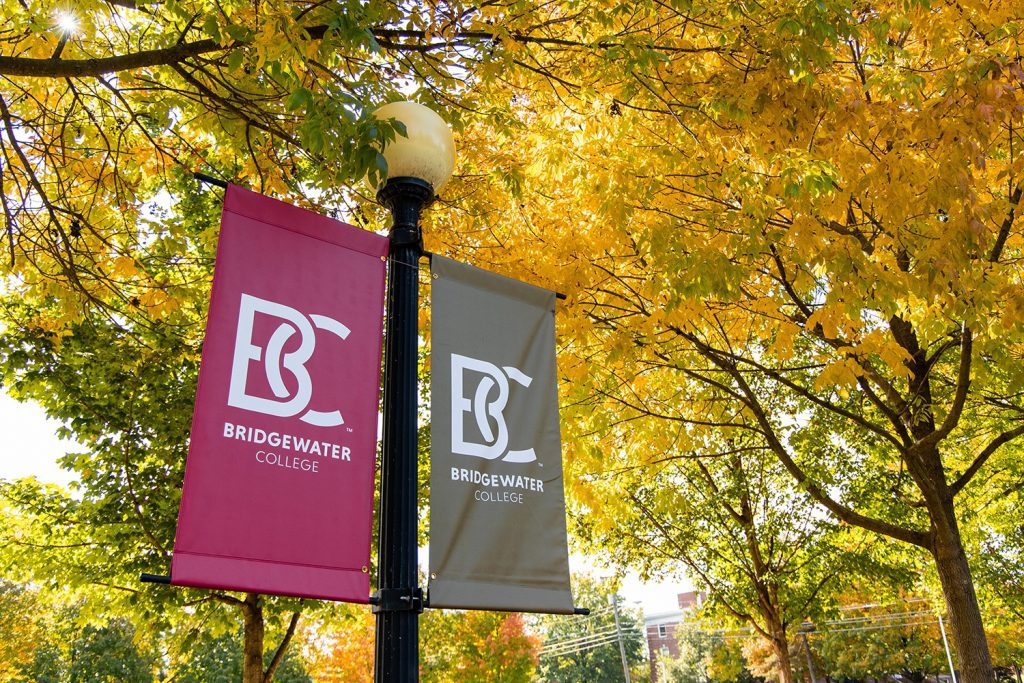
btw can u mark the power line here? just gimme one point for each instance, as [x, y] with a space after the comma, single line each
[607, 629]
[904, 619]
[875, 605]
[872, 628]
[584, 646]
[815, 628]
[581, 642]
[564, 642]
[825, 632]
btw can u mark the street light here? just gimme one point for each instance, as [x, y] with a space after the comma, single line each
[426, 151]
[419, 163]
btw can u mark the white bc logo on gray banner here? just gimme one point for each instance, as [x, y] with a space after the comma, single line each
[495, 441]
[284, 405]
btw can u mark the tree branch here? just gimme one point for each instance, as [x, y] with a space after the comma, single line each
[963, 383]
[778, 376]
[1004, 229]
[83, 68]
[228, 600]
[842, 512]
[719, 595]
[283, 647]
[980, 459]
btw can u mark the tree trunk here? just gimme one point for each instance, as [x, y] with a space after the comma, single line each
[780, 644]
[252, 640]
[965, 622]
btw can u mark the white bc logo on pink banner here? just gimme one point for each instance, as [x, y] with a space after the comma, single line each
[273, 466]
[275, 359]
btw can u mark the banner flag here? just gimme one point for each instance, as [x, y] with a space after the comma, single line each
[278, 493]
[497, 505]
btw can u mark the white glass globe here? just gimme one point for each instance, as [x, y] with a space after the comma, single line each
[427, 151]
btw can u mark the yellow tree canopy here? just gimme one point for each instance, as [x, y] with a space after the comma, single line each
[103, 105]
[795, 221]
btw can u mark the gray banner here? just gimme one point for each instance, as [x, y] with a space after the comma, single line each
[497, 506]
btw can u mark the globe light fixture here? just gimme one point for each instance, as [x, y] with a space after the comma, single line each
[419, 164]
[426, 151]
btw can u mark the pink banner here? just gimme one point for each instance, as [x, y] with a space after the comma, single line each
[278, 490]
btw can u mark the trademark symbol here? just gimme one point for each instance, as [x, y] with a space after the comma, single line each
[348, 429]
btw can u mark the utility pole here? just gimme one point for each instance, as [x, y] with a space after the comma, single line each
[622, 645]
[949, 657]
[810, 660]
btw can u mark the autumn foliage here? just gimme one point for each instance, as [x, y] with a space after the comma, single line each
[789, 234]
[457, 647]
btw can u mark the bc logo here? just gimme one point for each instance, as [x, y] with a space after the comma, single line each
[495, 441]
[275, 359]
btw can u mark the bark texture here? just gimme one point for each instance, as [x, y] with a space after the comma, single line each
[780, 647]
[252, 642]
[962, 603]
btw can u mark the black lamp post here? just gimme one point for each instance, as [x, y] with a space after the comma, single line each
[418, 164]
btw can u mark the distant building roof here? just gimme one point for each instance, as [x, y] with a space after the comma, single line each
[691, 599]
[674, 617]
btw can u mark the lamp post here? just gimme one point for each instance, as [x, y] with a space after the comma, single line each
[419, 164]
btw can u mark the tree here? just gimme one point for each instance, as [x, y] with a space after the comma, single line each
[881, 643]
[104, 104]
[20, 630]
[728, 665]
[1007, 642]
[456, 647]
[477, 647]
[728, 513]
[801, 226]
[125, 387]
[695, 650]
[586, 649]
[45, 640]
[816, 198]
[348, 653]
[108, 654]
[220, 660]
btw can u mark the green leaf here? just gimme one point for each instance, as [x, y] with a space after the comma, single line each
[212, 28]
[300, 99]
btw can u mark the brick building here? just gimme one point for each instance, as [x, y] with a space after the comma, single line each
[660, 629]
